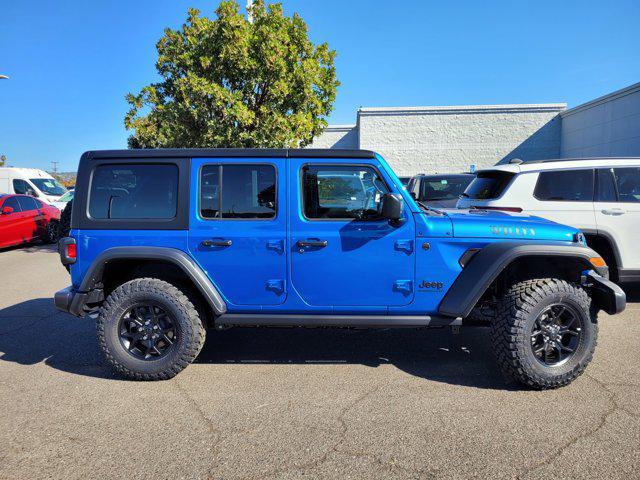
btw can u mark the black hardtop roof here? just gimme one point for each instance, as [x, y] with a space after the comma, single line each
[228, 152]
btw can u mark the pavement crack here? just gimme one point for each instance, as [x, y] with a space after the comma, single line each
[602, 420]
[390, 465]
[214, 434]
[333, 449]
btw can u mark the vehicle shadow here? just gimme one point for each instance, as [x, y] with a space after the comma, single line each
[434, 354]
[33, 331]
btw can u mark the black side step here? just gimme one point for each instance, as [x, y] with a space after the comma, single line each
[387, 321]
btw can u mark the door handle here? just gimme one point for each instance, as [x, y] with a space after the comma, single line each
[613, 211]
[312, 243]
[216, 243]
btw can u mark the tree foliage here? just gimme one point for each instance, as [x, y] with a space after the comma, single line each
[3, 160]
[228, 82]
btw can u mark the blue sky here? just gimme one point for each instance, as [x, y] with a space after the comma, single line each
[71, 63]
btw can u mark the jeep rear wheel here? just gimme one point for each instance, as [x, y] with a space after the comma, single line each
[149, 330]
[545, 332]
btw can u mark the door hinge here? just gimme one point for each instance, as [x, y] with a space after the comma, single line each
[275, 245]
[276, 285]
[404, 286]
[404, 245]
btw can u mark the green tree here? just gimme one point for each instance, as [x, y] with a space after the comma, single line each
[229, 82]
[3, 160]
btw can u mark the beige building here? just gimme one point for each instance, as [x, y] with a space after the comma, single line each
[453, 138]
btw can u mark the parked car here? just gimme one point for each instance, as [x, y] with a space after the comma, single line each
[24, 219]
[313, 238]
[599, 196]
[439, 191]
[30, 181]
[63, 200]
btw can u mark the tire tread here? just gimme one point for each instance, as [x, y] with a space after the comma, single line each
[193, 330]
[508, 330]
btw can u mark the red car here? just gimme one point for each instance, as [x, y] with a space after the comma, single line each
[24, 219]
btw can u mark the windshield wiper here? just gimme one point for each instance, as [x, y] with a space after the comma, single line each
[464, 195]
[428, 208]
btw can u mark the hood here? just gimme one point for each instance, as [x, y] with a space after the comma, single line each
[496, 224]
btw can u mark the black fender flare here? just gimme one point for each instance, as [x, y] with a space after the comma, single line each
[485, 266]
[94, 273]
[609, 239]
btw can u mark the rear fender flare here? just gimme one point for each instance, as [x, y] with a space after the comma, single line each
[191, 269]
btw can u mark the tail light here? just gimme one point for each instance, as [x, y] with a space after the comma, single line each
[68, 250]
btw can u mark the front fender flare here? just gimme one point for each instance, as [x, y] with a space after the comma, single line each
[488, 263]
[94, 273]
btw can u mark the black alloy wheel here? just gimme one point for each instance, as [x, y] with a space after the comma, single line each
[147, 331]
[556, 334]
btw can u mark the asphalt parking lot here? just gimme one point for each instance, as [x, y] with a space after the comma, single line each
[288, 403]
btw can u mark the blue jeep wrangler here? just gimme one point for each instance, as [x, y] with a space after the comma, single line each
[165, 243]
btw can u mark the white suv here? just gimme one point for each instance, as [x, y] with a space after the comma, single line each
[600, 196]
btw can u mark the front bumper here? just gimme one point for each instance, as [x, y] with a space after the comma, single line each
[607, 295]
[76, 303]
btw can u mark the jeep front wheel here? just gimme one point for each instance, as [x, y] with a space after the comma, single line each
[149, 330]
[545, 332]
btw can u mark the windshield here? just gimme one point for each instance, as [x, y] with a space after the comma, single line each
[48, 186]
[488, 185]
[67, 197]
[443, 188]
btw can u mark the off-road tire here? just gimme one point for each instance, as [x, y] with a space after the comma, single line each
[52, 232]
[516, 314]
[191, 330]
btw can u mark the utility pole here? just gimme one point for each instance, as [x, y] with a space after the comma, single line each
[249, 12]
[54, 166]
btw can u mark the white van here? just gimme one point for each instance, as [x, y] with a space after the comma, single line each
[30, 181]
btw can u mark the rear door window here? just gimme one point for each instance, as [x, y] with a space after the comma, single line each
[129, 191]
[27, 203]
[627, 181]
[238, 191]
[488, 185]
[565, 186]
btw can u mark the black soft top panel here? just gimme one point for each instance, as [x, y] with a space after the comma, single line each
[228, 152]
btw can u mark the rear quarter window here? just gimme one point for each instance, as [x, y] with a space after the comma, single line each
[488, 185]
[129, 191]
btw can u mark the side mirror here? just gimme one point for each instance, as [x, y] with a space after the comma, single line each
[7, 210]
[392, 206]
